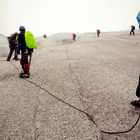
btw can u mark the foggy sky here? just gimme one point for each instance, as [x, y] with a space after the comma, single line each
[53, 16]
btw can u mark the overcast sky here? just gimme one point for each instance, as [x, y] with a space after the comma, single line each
[53, 16]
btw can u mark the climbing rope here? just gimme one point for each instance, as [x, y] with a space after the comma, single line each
[106, 132]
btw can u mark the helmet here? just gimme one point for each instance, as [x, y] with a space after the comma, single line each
[21, 28]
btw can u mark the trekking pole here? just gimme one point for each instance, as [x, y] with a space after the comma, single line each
[30, 59]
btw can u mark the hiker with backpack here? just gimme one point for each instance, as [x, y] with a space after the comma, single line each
[74, 37]
[98, 32]
[26, 43]
[25, 54]
[132, 30]
[13, 45]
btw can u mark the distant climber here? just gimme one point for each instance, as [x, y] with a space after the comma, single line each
[13, 45]
[132, 30]
[44, 36]
[98, 32]
[74, 37]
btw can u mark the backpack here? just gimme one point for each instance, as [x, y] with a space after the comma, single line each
[30, 40]
[13, 39]
[133, 27]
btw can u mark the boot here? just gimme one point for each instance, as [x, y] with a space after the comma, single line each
[24, 75]
[7, 59]
[136, 103]
[16, 59]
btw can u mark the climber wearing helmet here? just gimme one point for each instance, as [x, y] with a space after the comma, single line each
[25, 54]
